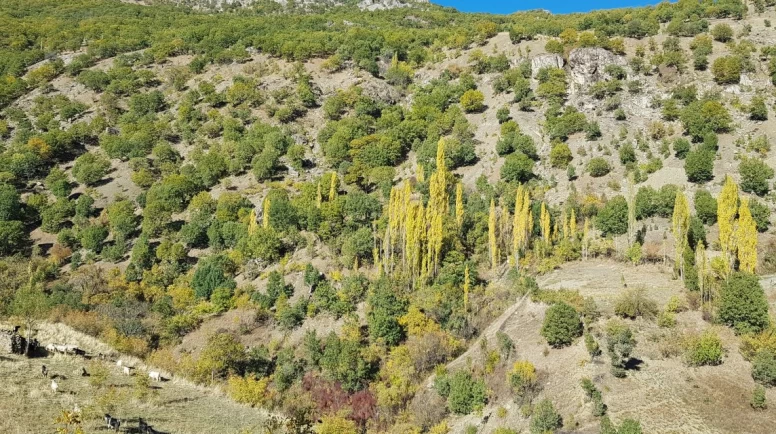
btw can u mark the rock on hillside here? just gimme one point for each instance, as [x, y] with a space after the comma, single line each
[587, 65]
[546, 61]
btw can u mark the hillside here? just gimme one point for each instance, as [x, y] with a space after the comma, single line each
[397, 220]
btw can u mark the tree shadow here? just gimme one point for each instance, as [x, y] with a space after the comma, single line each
[633, 364]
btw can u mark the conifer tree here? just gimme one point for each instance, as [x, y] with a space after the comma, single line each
[680, 223]
[727, 207]
[746, 239]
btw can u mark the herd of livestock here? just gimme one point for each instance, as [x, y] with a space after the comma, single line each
[111, 422]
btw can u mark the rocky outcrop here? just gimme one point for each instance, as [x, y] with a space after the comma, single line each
[587, 65]
[546, 61]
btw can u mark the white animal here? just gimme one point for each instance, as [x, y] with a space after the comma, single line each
[119, 363]
[61, 348]
[54, 386]
[156, 376]
[127, 370]
[51, 348]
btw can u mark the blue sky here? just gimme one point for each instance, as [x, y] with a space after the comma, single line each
[556, 6]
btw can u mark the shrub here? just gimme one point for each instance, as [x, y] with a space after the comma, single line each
[681, 148]
[743, 304]
[699, 166]
[598, 167]
[612, 219]
[90, 168]
[561, 325]
[634, 303]
[722, 32]
[619, 344]
[704, 350]
[758, 111]
[472, 101]
[250, 390]
[727, 70]
[755, 176]
[703, 117]
[560, 155]
[627, 153]
[759, 401]
[463, 392]
[522, 378]
[764, 368]
[544, 418]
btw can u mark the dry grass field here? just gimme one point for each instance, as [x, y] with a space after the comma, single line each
[28, 405]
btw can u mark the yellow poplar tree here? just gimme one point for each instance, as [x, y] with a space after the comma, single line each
[265, 213]
[544, 221]
[573, 225]
[727, 207]
[746, 238]
[680, 224]
[319, 196]
[333, 187]
[523, 222]
[466, 284]
[586, 237]
[702, 268]
[252, 223]
[493, 247]
[459, 204]
[438, 205]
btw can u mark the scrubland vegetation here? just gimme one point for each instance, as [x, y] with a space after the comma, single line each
[322, 211]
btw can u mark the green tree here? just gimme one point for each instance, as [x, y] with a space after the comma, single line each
[90, 168]
[702, 117]
[560, 155]
[705, 207]
[385, 309]
[764, 368]
[30, 304]
[223, 355]
[743, 305]
[722, 32]
[517, 168]
[561, 325]
[755, 176]
[545, 419]
[699, 166]
[598, 167]
[13, 237]
[211, 273]
[472, 101]
[464, 393]
[612, 219]
[619, 344]
[727, 70]
[10, 203]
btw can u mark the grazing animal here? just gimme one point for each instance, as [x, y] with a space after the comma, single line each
[127, 370]
[112, 422]
[155, 375]
[51, 348]
[54, 386]
[119, 363]
[143, 426]
[83, 372]
[44, 371]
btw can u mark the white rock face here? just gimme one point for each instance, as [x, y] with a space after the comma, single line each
[546, 61]
[587, 65]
